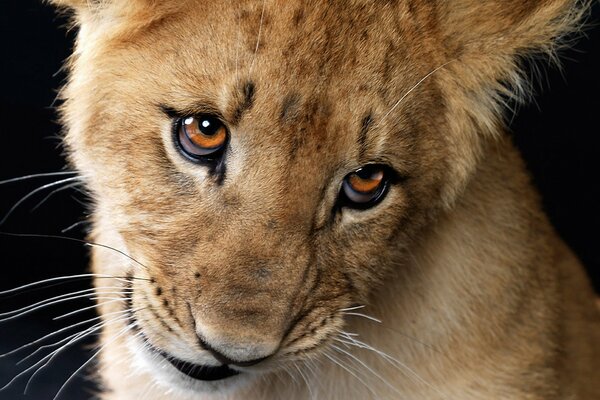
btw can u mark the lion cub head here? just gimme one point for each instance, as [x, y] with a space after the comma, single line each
[270, 163]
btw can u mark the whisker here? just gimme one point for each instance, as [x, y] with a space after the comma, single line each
[397, 363]
[352, 308]
[293, 377]
[84, 242]
[61, 341]
[110, 300]
[55, 353]
[305, 380]
[412, 89]
[404, 335]
[48, 303]
[41, 175]
[35, 191]
[237, 46]
[262, 17]
[47, 363]
[363, 316]
[73, 226]
[52, 334]
[90, 291]
[52, 193]
[121, 333]
[364, 365]
[68, 279]
[335, 360]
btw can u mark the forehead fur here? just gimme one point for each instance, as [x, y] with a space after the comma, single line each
[482, 40]
[186, 52]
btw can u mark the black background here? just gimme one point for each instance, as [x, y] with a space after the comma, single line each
[558, 136]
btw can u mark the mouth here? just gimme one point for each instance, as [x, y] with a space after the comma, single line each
[200, 372]
[195, 371]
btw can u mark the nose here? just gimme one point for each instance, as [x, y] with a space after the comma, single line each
[242, 358]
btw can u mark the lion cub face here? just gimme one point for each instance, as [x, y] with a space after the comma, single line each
[268, 164]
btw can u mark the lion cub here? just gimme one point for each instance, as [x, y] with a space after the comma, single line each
[321, 201]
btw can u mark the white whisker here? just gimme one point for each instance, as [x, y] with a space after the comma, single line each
[121, 333]
[110, 300]
[414, 87]
[47, 363]
[33, 192]
[335, 360]
[84, 242]
[262, 16]
[42, 302]
[363, 364]
[73, 226]
[75, 338]
[87, 293]
[52, 193]
[50, 335]
[352, 308]
[44, 174]
[67, 278]
[395, 362]
[306, 381]
[98, 325]
[237, 46]
[363, 316]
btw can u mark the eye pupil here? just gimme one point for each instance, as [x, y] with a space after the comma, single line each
[209, 127]
[367, 173]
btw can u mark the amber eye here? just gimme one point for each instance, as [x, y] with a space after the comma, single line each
[201, 137]
[365, 187]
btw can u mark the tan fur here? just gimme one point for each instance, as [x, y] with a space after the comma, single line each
[478, 297]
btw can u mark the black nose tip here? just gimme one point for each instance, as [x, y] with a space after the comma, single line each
[228, 361]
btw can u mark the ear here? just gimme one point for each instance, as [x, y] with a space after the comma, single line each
[508, 26]
[493, 35]
[490, 38]
[486, 42]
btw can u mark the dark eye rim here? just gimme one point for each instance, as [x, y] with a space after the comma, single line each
[206, 159]
[390, 176]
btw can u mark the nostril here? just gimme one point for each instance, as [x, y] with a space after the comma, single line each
[228, 361]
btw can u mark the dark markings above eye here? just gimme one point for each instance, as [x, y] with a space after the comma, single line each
[289, 108]
[245, 101]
